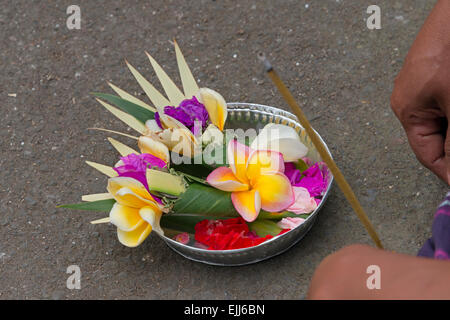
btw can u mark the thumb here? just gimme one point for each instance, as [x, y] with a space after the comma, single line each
[430, 141]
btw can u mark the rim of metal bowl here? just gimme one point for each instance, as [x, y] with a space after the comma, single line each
[278, 114]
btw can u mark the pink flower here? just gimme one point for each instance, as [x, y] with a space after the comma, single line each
[290, 223]
[304, 203]
[182, 238]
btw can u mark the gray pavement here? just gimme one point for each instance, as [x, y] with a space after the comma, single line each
[341, 73]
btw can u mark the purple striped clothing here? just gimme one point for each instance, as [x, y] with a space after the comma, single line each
[438, 246]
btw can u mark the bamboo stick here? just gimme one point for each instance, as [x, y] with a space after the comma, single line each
[338, 176]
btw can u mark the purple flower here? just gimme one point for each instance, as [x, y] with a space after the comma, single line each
[189, 111]
[158, 120]
[314, 179]
[135, 165]
[294, 175]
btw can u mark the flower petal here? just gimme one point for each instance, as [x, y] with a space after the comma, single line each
[182, 238]
[185, 143]
[247, 204]
[224, 179]
[135, 165]
[237, 156]
[115, 184]
[135, 237]
[314, 180]
[125, 218]
[290, 223]
[152, 124]
[275, 190]
[170, 122]
[128, 198]
[152, 215]
[156, 148]
[282, 138]
[304, 203]
[212, 135]
[263, 162]
[215, 105]
[188, 113]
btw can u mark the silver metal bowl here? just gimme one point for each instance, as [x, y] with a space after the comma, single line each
[244, 116]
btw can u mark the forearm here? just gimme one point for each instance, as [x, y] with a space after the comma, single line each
[344, 276]
[435, 33]
[431, 48]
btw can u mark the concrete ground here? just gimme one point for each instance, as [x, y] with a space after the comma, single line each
[340, 71]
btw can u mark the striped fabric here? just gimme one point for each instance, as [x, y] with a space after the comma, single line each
[438, 246]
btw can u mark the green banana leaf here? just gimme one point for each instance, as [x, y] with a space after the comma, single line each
[198, 171]
[264, 227]
[204, 200]
[141, 114]
[200, 199]
[214, 156]
[301, 165]
[202, 165]
[184, 222]
[99, 205]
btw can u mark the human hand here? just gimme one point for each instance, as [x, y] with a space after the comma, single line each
[344, 276]
[421, 96]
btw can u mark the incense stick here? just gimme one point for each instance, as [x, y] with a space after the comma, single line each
[338, 176]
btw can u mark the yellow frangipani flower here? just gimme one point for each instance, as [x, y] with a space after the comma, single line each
[215, 105]
[135, 213]
[255, 179]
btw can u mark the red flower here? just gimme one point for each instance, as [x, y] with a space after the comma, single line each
[227, 234]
